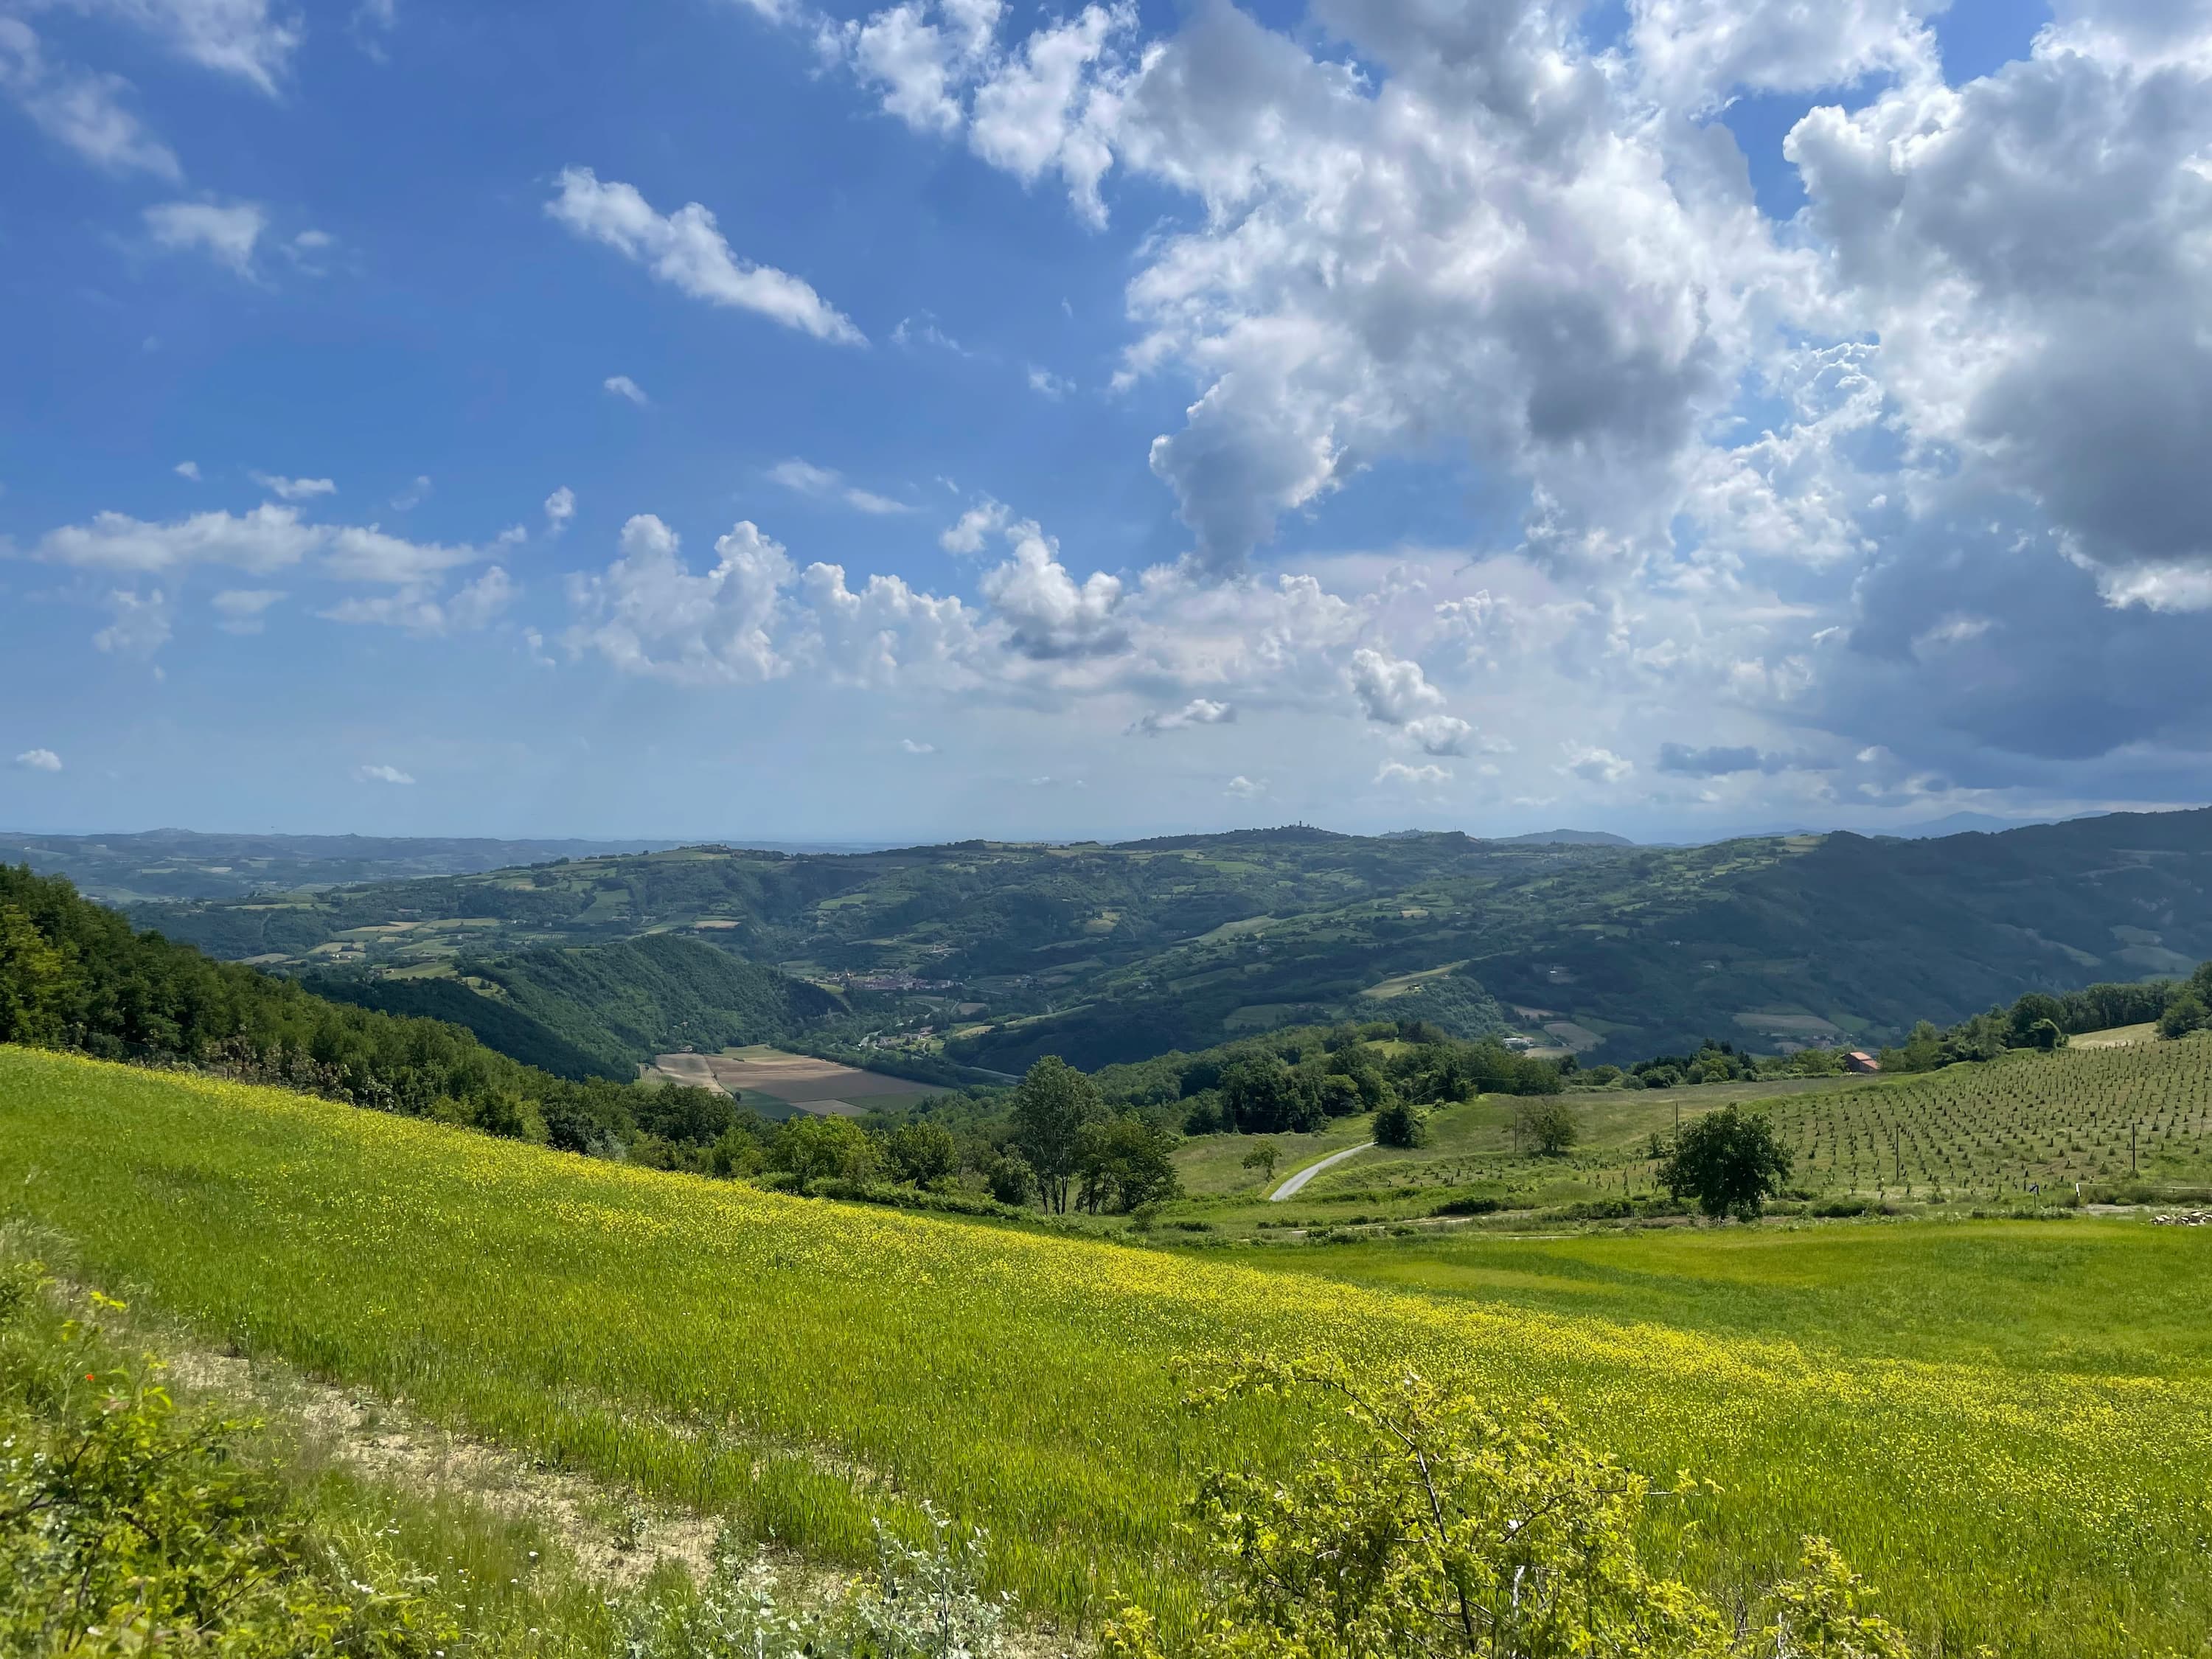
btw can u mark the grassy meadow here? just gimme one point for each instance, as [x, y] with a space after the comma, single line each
[802, 1367]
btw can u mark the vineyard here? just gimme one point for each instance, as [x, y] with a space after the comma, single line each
[2009, 1127]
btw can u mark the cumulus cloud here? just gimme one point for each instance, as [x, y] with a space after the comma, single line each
[622, 386]
[1595, 765]
[87, 112]
[1043, 104]
[973, 528]
[913, 748]
[293, 489]
[686, 251]
[648, 614]
[1245, 788]
[1198, 711]
[225, 234]
[414, 494]
[187, 470]
[1050, 613]
[1391, 691]
[559, 508]
[380, 774]
[39, 760]
[1439, 734]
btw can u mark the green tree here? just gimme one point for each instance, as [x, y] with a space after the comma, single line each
[920, 1152]
[1051, 1105]
[2185, 1013]
[1401, 1123]
[1124, 1162]
[824, 1148]
[1729, 1161]
[1262, 1157]
[1012, 1181]
[37, 981]
[1547, 1128]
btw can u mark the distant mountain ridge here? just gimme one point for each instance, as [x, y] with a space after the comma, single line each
[1108, 953]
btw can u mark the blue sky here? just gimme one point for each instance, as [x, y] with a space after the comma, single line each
[730, 418]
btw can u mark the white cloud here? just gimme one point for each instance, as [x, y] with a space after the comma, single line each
[227, 235]
[685, 250]
[913, 748]
[268, 538]
[82, 109]
[805, 478]
[140, 626]
[380, 774]
[622, 386]
[975, 527]
[414, 494]
[1595, 765]
[1050, 614]
[293, 489]
[1439, 734]
[419, 608]
[1246, 788]
[559, 508]
[243, 610]
[1417, 777]
[1047, 384]
[187, 470]
[1198, 711]
[1392, 692]
[251, 39]
[648, 614]
[39, 760]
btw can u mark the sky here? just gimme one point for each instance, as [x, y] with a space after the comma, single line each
[738, 419]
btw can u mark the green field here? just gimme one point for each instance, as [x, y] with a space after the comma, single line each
[803, 1366]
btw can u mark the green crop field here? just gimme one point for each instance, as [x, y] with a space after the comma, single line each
[802, 1366]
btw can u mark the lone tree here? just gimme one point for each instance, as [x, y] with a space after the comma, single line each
[1051, 1105]
[1729, 1161]
[1262, 1157]
[1547, 1127]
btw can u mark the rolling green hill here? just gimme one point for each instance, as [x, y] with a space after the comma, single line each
[610, 1320]
[1107, 954]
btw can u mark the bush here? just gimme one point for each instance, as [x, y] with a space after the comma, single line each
[128, 1526]
[1424, 1526]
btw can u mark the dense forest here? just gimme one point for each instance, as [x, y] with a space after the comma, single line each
[75, 975]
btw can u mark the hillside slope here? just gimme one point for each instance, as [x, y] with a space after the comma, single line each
[612, 1317]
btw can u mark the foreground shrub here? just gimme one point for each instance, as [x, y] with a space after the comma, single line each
[1424, 1527]
[128, 1527]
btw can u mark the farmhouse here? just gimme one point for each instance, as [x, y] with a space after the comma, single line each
[1859, 1060]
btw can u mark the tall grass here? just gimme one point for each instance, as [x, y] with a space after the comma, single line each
[803, 1366]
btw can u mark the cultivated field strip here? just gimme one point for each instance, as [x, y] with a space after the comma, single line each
[802, 1366]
